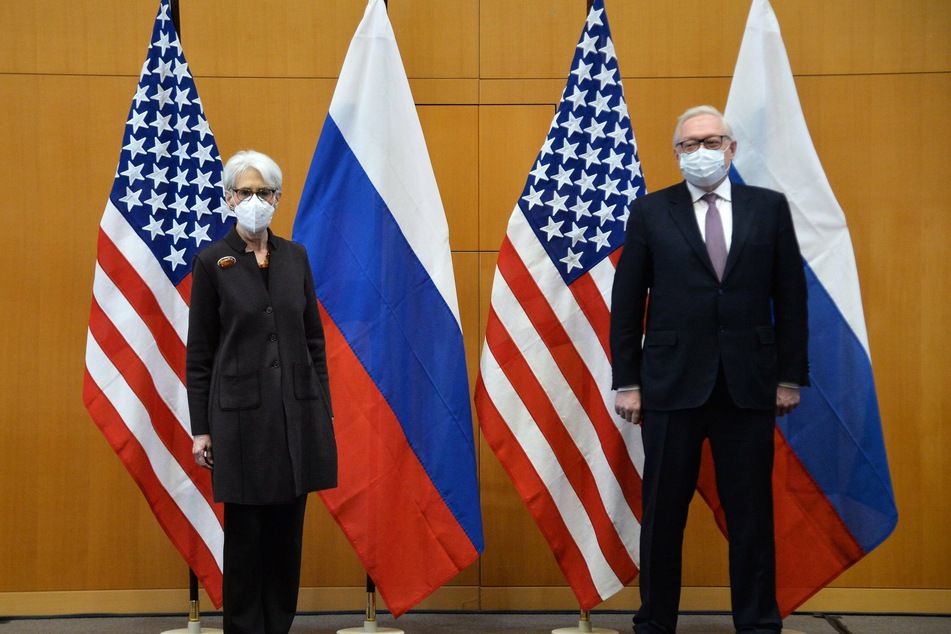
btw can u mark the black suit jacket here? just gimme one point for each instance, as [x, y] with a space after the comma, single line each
[754, 322]
[257, 373]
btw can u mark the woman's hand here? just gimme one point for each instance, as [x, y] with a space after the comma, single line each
[201, 449]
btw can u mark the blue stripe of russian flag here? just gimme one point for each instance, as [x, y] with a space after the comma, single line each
[394, 318]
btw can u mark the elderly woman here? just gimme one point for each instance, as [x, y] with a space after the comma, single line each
[258, 396]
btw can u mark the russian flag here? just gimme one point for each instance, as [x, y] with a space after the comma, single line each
[374, 226]
[833, 492]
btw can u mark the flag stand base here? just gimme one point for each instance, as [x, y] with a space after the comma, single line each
[194, 627]
[369, 623]
[370, 626]
[584, 627]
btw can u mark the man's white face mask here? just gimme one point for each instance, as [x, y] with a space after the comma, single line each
[704, 167]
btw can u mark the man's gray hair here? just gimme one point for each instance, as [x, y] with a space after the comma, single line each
[696, 111]
[245, 159]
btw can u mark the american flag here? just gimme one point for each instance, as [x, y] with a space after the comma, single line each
[166, 204]
[543, 395]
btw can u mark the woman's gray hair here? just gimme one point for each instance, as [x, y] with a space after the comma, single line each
[696, 112]
[245, 159]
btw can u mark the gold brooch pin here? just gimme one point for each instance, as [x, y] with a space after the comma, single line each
[226, 261]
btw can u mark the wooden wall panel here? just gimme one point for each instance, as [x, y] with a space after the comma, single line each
[875, 83]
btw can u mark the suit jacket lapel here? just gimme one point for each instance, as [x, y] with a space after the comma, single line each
[743, 216]
[682, 213]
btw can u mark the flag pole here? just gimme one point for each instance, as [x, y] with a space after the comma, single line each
[369, 623]
[194, 618]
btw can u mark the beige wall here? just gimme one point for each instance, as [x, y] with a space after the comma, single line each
[874, 78]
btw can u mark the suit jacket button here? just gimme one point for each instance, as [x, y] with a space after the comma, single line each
[269, 310]
[272, 337]
[276, 364]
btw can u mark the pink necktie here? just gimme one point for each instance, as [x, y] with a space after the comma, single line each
[716, 243]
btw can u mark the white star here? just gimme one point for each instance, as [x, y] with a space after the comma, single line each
[600, 103]
[576, 234]
[140, 95]
[557, 203]
[534, 198]
[161, 124]
[158, 176]
[133, 172]
[202, 180]
[567, 150]
[175, 257]
[583, 71]
[581, 208]
[162, 43]
[135, 146]
[585, 182]
[540, 172]
[162, 97]
[605, 213]
[182, 153]
[180, 205]
[162, 17]
[606, 77]
[138, 121]
[160, 150]
[200, 234]
[164, 70]
[621, 110]
[131, 198]
[608, 51]
[546, 147]
[609, 186]
[157, 201]
[635, 168]
[588, 45]
[572, 125]
[552, 229]
[177, 231]
[564, 176]
[600, 238]
[202, 127]
[594, 18]
[181, 69]
[596, 130]
[203, 153]
[624, 216]
[145, 72]
[630, 192]
[572, 260]
[201, 208]
[577, 98]
[619, 134]
[223, 210]
[177, 44]
[181, 125]
[181, 96]
[154, 227]
[591, 156]
[181, 179]
[614, 160]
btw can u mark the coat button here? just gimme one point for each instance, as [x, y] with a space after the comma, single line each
[269, 310]
[276, 364]
[272, 337]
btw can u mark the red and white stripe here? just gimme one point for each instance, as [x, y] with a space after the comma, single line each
[134, 388]
[546, 408]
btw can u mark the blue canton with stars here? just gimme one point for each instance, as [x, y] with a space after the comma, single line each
[168, 184]
[578, 194]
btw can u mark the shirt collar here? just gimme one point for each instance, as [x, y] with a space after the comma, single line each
[724, 190]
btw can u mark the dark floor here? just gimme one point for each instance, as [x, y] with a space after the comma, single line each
[482, 623]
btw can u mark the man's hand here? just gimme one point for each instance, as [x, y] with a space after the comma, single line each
[201, 449]
[787, 399]
[627, 404]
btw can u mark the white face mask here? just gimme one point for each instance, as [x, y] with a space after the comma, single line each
[704, 167]
[254, 214]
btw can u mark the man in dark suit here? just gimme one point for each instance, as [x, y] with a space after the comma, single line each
[721, 354]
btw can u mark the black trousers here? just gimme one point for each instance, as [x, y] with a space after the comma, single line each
[742, 445]
[262, 558]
